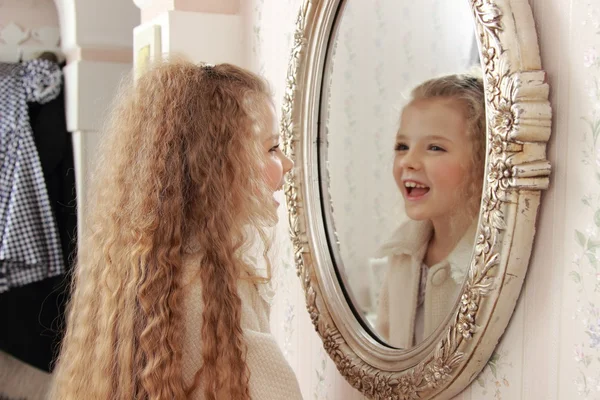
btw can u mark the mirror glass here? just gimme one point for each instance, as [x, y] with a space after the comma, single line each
[401, 178]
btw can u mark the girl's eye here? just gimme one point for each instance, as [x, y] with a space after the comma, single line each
[433, 147]
[400, 147]
[274, 148]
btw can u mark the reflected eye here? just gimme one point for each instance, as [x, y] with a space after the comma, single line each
[433, 147]
[274, 148]
[400, 147]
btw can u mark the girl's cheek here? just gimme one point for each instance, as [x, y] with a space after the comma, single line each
[453, 174]
[274, 173]
[396, 171]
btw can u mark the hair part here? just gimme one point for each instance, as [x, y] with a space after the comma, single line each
[180, 170]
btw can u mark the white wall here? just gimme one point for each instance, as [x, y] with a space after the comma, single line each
[26, 28]
[94, 28]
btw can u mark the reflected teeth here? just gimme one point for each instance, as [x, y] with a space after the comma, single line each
[414, 185]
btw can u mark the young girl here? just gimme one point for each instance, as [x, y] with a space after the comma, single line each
[438, 167]
[166, 304]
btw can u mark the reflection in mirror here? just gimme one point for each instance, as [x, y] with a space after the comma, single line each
[403, 127]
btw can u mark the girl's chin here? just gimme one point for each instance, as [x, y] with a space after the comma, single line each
[417, 213]
[418, 217]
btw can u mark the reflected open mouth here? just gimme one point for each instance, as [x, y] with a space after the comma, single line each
[415, 190]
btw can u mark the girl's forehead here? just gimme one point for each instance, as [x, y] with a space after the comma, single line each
[437, 105]
[433, 117]
[434, 110]
[267, 108]
[267, 122]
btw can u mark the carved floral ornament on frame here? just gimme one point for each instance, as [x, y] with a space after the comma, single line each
[518, 119]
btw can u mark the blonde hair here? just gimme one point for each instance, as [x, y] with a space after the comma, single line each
[467, 89]
[180, 169]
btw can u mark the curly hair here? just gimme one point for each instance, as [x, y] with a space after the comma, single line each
[468, 89]
[180, 168]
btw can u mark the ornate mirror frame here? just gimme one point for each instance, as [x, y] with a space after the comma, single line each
[519, 124]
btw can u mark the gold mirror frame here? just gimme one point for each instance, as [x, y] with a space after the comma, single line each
[519, 125]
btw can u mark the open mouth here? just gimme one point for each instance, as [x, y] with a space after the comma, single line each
[415, 190]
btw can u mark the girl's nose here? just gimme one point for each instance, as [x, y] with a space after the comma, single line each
[411, 160]
[286, 163]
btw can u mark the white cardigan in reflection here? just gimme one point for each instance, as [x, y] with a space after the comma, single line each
[404, 255]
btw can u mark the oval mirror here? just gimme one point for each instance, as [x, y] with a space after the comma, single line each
[381, 198]
[419, 140]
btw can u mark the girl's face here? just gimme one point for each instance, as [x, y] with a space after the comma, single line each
[277, 164]
[433, 153]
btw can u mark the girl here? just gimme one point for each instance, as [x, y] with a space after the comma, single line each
[438, 167]
[166, 304]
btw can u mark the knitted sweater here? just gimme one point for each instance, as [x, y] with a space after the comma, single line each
[397, 311]
[271, 377]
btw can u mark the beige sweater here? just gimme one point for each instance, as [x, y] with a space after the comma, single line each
[398, 299]
[271, 377]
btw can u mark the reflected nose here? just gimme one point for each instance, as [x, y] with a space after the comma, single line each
[410, 160]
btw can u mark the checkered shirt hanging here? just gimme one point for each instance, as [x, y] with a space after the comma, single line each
[30, 246]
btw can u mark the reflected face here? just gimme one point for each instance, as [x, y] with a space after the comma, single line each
[277, 164]
[433, 153]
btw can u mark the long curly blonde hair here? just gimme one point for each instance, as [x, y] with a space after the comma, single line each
[180, 165]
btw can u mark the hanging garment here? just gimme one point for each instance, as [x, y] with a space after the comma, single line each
[33, 314]
[30, 248]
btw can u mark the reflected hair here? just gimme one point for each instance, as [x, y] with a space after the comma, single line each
[467, 89]
[180, 169]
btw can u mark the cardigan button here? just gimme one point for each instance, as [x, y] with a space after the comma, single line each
[440, 276]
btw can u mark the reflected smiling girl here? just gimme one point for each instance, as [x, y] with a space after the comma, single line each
[438, 168]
